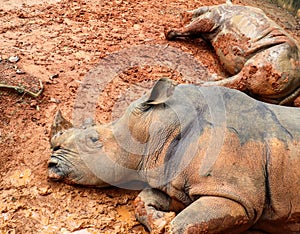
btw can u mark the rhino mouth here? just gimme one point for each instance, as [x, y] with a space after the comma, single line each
[55, 171]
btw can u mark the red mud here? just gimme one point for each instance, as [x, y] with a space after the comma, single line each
[58, 42]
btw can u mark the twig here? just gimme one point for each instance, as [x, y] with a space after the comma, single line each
[23, 90]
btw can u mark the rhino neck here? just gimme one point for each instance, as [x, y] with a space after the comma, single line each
[144, 154]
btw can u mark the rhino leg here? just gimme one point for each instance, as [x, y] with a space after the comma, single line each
[194, 29]
[273, 79]
[297, 101]
[291, 98]
[151, 209]
[211, 215]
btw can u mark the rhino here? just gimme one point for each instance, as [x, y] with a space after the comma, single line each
[260, 58]
[212, 159]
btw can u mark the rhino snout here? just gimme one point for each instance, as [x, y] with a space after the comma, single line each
[54, 171]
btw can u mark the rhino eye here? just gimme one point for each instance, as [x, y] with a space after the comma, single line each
[93, 143]
[94, 139]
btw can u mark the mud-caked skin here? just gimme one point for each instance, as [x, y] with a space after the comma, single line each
[214, 160]
[260, 57]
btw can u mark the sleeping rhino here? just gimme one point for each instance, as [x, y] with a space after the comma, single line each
[259, 56]
[213, 159]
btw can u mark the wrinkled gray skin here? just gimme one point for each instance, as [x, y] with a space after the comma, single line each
[260, 57]
[222, 161]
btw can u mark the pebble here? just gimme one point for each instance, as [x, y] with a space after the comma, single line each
[54, 76]
[19, 71]
[13, 59]
[136, 27]
[54, 100]
[44, 191]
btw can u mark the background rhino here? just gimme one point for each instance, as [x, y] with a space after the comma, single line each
[222, 161]
[261, 58]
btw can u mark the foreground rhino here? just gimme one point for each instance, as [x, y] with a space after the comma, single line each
[224, 162]
[262, 59]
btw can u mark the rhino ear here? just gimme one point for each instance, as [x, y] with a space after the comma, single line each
[59, 124]
[161, 91]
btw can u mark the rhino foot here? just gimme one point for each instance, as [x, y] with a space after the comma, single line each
[172, 34]
[147, 210]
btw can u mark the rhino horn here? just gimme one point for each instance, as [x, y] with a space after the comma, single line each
[59, 124]
[161, 91]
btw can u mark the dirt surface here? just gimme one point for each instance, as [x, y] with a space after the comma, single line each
[58, 42]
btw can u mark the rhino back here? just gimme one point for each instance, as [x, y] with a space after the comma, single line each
[248, 118]
[252, 119]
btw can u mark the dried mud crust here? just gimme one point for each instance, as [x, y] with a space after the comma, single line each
[12, 77]
[59, 43]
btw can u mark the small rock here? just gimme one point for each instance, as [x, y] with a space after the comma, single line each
[19, 72]
[82, 231]
[298, 13]
[44, 191]
[54, 100]
[13, 59]
[33, 103]
[136, 27]
[11, 231]
[54, 76]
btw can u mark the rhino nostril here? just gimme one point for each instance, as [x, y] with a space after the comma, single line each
[54, 169]
[52, 163]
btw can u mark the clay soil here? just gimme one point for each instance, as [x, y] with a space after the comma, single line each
[58, 42]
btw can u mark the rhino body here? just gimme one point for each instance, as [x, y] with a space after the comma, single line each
[214, 160]
[259, 56]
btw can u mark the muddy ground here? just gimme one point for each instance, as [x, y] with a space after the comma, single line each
[58, 42]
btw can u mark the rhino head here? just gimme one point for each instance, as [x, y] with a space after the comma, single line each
[101, 155]
[65, 162]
